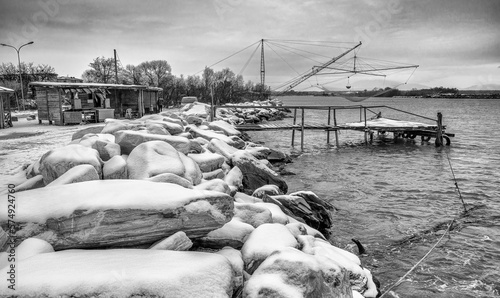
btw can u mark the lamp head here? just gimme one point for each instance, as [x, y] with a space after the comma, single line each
[30, 42]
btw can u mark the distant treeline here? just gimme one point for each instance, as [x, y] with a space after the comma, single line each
[436, 92]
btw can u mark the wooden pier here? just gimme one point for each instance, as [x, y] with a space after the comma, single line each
[376, 124]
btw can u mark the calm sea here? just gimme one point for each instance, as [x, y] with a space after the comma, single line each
[398, 198]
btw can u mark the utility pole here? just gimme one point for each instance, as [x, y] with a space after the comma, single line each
[19, 64]
[262, 68]
[116, 69]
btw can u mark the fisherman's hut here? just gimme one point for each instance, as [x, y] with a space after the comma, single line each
[5, 114]
[72, 103]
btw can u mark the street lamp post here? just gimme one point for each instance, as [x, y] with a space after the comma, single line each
[19, 64]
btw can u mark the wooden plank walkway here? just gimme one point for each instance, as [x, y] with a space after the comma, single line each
[268, 126]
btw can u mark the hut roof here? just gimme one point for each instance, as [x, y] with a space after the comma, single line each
[92, 85]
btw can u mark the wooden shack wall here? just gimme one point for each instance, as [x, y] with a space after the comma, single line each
[49, 103]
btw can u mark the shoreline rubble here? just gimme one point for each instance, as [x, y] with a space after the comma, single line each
[169, 182]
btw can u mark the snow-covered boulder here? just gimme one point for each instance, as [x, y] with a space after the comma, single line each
[91, 129]
[31, 183]
[215, 174]
[255, 173]
[263, 241]
[107, 213]
[277, 214]
[156, 157]
[207, 161]
[171, 128]
[128, 140]
[236, 260]
[178, 241]
[233, 234]
[171, 178]
[58, 161]
[258, 151]
[222, 148]
[266, 190]
[234, 178]
[115, 168]
[103, 143]
[208, 134]
[289, 272]
[79, 173]
[252, 214]
[214, 185]
[226, 128]
[123, 273]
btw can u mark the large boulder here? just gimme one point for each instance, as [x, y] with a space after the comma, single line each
[171, 128]
[289, 272]
[115, 168]
[208, 134]
[128, 140]
[76, 174]
[263, 241]
[221, 148]
[123, 273]
[225, 127]
[178, 241]
[58, 161]
[232, 234]
[252, 214]
[123, 213]
[255, 173]
[103, 143]
[157, 157]
[207, 161]
[91, 129]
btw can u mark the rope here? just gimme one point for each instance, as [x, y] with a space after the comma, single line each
[420, 261]
[456, 183]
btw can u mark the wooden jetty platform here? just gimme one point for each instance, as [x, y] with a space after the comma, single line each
[370, 126]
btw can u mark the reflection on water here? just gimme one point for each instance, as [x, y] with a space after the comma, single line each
[390, 191]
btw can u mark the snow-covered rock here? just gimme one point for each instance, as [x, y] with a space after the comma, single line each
[115, 168]
[178, 241]
[225, 127]
[58, 161]
[31, 183]
[79, 173]
[256, 174]
[222, 148]
[252, 214]
[234, 177]
[266, 190]
[233, 234]
[171, 128]
[128, 140]
[124, 273]
[214, 185]
[108, 213]
[208, 134]
[263, 241]
[215, 174]
[208, 161]
[91, 129]
[156, 157]
[258, 151]
[103, 143]
[289, 272]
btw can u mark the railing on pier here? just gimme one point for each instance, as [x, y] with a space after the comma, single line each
[430, 130]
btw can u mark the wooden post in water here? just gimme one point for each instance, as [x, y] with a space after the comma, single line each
[439, 138]
[328, 130]
[335, 124]
[302, 133]
[294, 122]
[366, 129]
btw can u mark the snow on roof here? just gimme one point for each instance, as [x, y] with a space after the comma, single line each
[5, 90]
[38, 205]
[92, 85]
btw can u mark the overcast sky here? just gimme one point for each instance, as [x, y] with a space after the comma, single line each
[455, 42]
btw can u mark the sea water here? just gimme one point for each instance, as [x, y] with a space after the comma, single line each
[398, 198]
